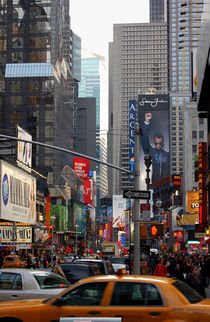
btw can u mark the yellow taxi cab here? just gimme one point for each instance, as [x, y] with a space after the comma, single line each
[13, 261]
[131, 297]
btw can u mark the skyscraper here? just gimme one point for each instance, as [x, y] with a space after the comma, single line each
[138, 64]
[36, 88]
[184, 24]
[92, 81]
[158, 10]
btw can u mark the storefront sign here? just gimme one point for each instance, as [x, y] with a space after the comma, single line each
[22, 234]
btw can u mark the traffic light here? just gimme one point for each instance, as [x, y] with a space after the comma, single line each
[156, 230]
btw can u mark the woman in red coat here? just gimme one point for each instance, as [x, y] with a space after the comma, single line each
[160, 269]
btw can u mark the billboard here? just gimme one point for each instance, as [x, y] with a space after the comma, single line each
[118, 207]
[18, 194]
[24, 151]
[81, 167]
[193, 201]
[132, 121]
[153, 118]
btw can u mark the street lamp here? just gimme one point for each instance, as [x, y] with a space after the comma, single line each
[76, 230]
[148, 163]
[52, 221]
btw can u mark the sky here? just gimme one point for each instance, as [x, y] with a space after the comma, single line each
[92, 21]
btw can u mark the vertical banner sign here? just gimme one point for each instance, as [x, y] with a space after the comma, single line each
[132, 121]
[24, 151]
[87, 192]
[48, 212]
[153, 116]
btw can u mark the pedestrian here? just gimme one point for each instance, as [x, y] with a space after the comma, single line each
[194, 281]
[178, 272]
[58, 270]
[160, 269]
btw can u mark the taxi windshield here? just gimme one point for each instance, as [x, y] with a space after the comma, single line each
[191, 295]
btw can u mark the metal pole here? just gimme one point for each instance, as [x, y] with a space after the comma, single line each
[170, 225]
[129, 236]
[14, 236]
[136, 248]
[76, 226]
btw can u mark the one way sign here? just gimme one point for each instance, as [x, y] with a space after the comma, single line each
[136, 194]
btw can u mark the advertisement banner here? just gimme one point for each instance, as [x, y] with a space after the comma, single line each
[132, 121]
[119, 207]
[18, 194]
[193, 201]
[153, 114]
[81, 167]
[87, 192]
[24, 151]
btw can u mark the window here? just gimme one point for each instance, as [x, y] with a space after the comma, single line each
[201, 134]
[191, 295]
[194, 134]
[194, 148]
[10, 281]
[129, 294]
[85, 295]
[201, 121]
[47, 281]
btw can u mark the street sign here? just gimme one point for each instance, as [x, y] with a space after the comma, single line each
[136, 194]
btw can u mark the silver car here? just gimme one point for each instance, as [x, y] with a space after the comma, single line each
[29, 284]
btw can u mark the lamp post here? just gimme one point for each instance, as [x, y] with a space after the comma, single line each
[76, 230]
[171, 221]
[52, 221]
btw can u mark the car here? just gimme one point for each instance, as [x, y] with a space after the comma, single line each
[105, 266]
[119, 262]
[131, 297]
[76, 271]
[13, 261]
[29, 284]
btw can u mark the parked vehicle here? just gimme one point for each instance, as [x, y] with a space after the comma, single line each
[76, 271]
[105, 266]
[29, 284]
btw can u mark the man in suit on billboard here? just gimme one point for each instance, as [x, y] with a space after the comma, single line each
[160, 157]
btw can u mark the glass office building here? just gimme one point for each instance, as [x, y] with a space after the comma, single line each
[36, 83]
[92, 81]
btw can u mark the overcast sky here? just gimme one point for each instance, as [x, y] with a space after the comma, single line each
[93, 20]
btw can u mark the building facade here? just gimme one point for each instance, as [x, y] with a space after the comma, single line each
[138, 64]
[195, 131]
[184, 24]
[36, 89]
[92, 81]
[158, 10]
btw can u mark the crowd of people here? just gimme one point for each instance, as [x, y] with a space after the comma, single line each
[193, 270]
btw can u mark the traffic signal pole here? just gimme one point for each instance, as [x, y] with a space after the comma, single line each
[136, 246]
